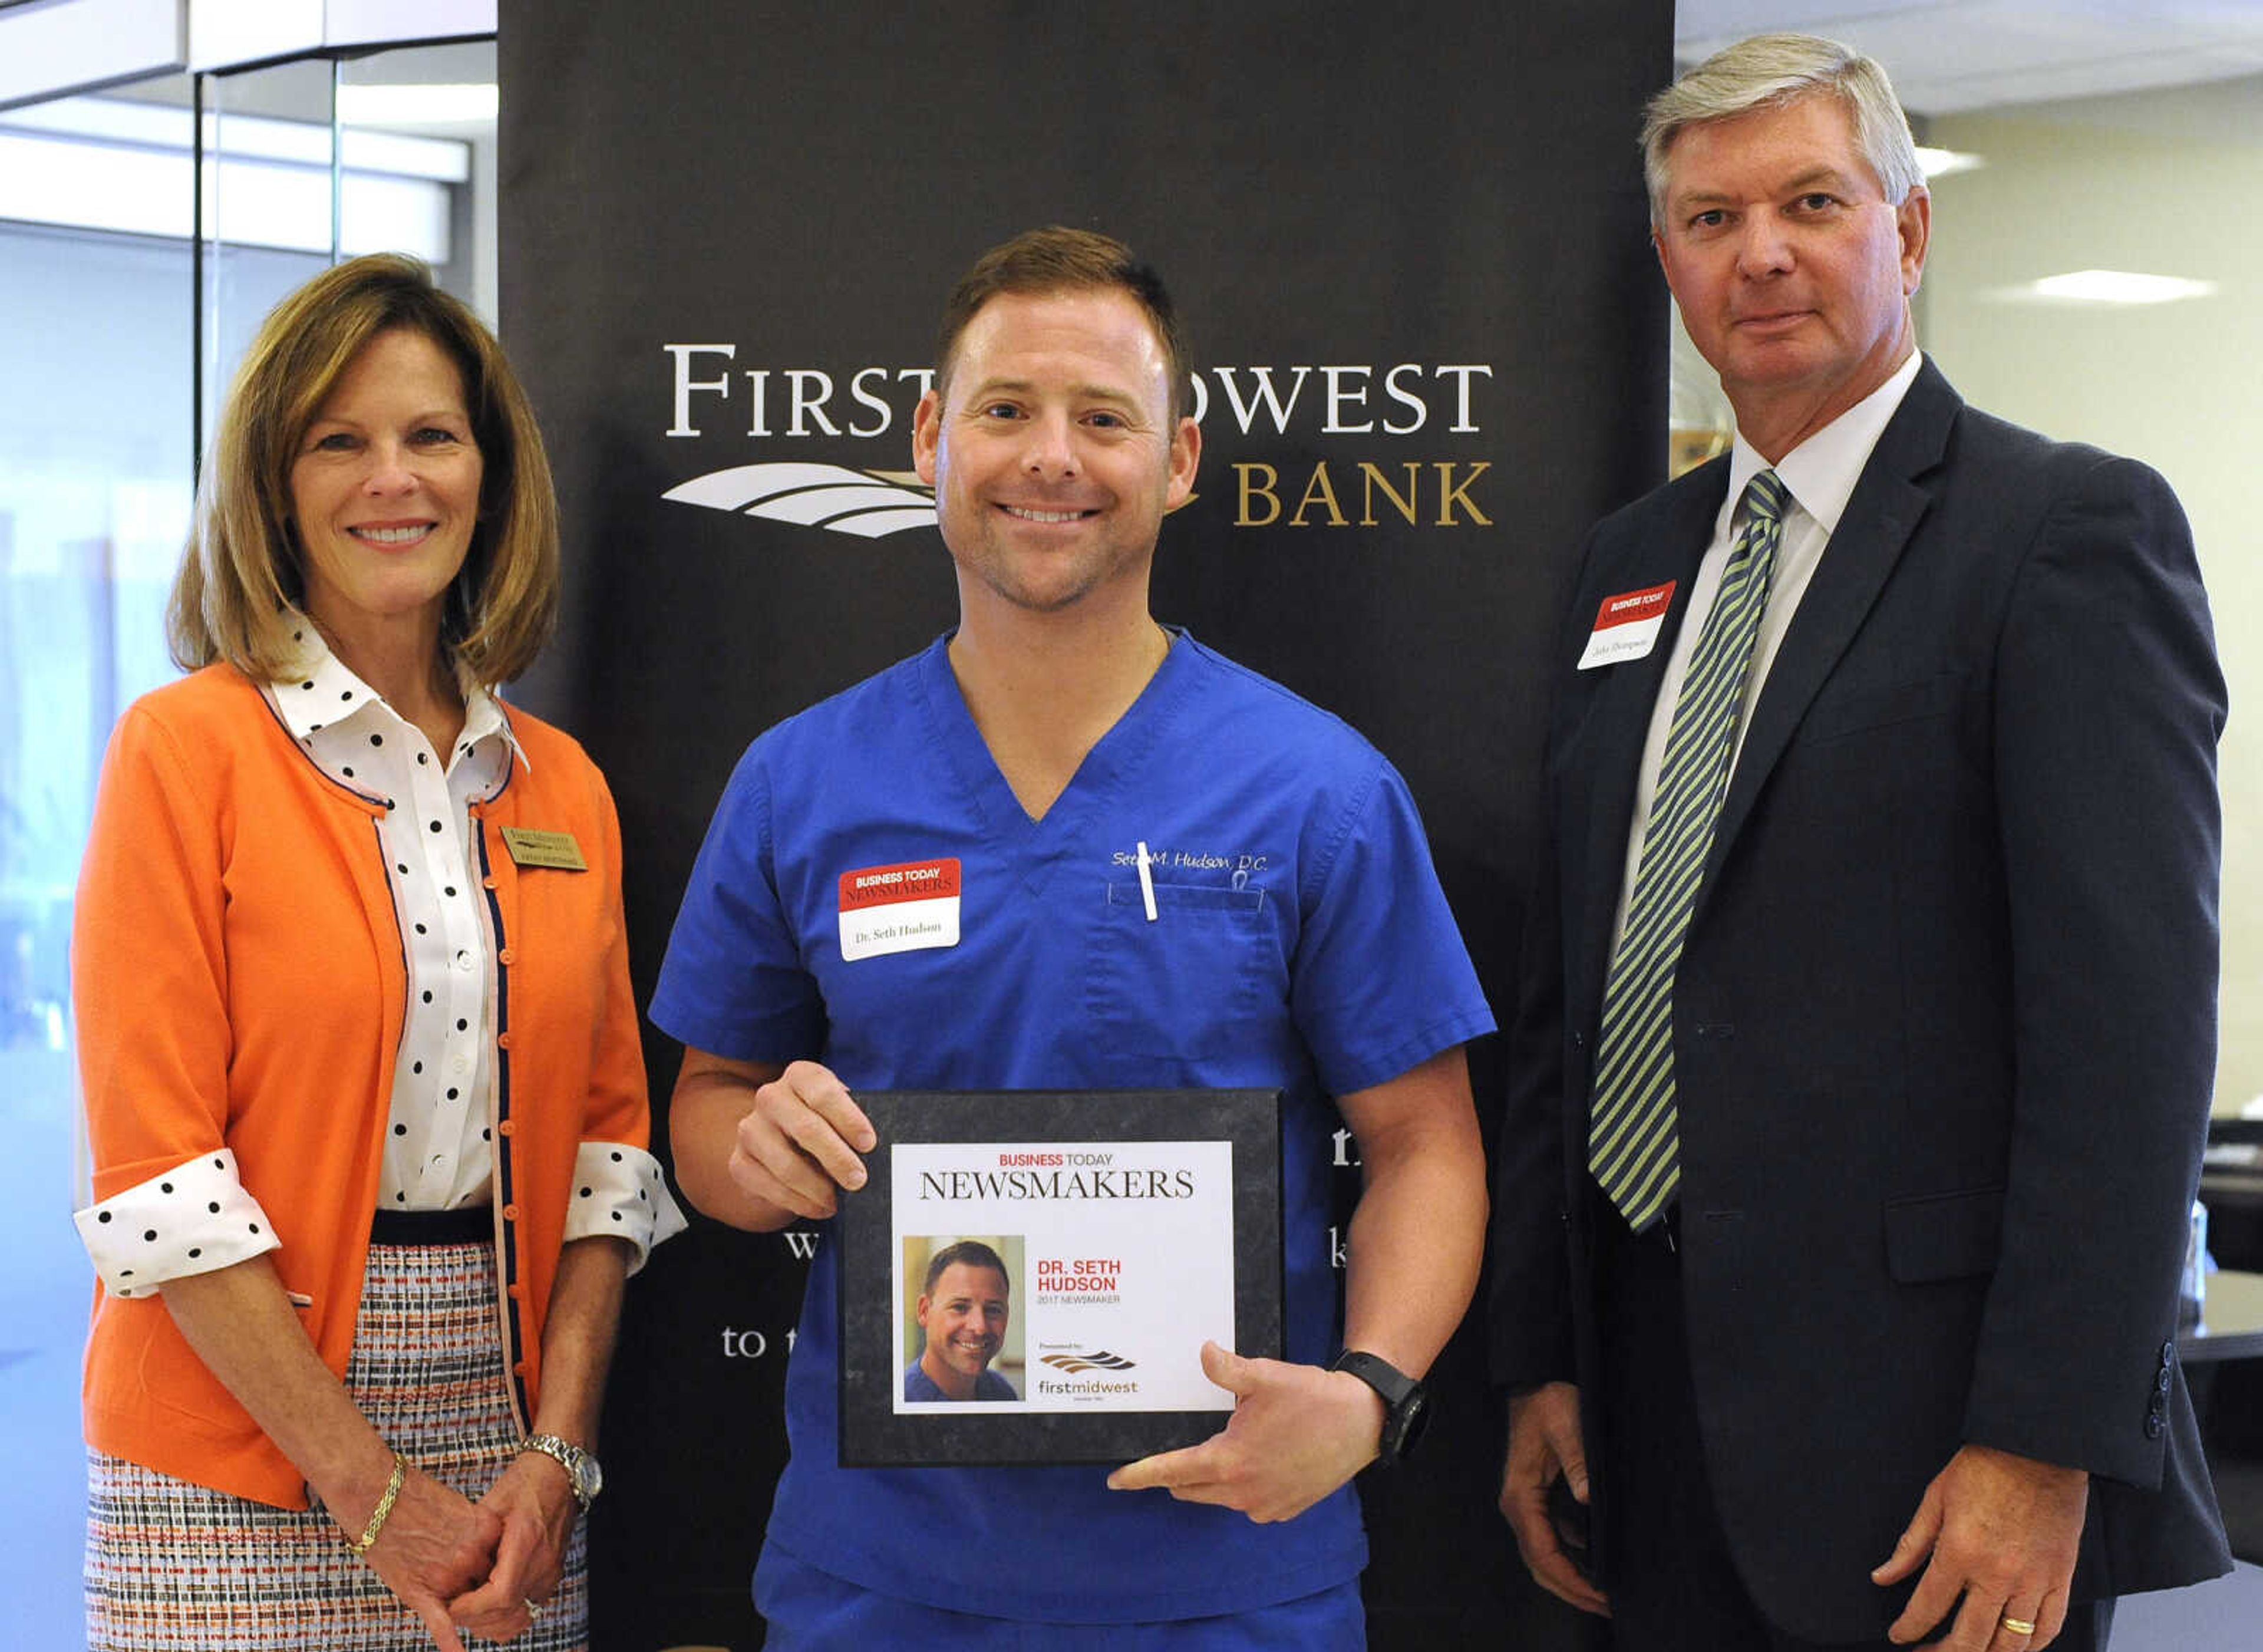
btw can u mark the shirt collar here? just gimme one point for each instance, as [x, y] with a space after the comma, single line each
[1821, 471]
[316, 689]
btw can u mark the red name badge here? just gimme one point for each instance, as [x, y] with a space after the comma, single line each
[884, 886]
[1627, 626]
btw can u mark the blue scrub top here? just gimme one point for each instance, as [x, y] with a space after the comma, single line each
[1301, 943]
[920, 1387]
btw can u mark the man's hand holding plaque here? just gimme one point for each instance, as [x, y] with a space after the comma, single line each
[801, 1141]
[1296, 1433]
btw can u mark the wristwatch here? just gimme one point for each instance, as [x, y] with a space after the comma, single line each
[582, 1470]
[1406, 1402]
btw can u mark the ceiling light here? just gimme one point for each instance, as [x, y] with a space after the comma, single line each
[1942, 162]
[2112, 287]
[393, 105]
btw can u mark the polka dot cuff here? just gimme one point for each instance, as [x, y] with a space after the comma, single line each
[194, 1218]
[619, 1192]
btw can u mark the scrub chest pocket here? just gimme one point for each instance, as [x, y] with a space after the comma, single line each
[1188, 985]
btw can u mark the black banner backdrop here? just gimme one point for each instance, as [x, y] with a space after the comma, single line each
[1408, 243]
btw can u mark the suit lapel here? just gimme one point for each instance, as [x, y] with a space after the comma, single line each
[1885, 509]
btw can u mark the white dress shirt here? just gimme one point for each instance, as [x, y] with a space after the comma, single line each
[1819, 476]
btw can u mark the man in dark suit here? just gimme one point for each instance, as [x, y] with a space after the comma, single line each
[1868, 1028]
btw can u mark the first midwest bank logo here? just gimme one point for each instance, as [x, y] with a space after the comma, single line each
[1414, 476]
[1099, 1359]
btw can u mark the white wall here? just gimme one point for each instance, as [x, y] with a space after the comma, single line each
[2161, 183]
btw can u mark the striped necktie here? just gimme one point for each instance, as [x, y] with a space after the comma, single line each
[1633, 1140]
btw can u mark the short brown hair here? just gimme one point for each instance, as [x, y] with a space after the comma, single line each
[1055, 259]
[243, 561]
[971, 1253]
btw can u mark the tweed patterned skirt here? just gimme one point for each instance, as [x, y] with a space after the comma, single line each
[176, 1567]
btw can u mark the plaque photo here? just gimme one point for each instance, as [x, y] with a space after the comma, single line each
[1029, 1276]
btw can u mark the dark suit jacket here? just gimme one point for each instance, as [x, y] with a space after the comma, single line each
[1944, 1020]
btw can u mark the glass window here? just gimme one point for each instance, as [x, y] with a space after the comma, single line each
[116, 319]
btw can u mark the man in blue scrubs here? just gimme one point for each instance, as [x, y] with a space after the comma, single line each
[1106, 858]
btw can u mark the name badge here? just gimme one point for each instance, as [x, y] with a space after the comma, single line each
[1627, 626]
[531, 848]
[900, 909]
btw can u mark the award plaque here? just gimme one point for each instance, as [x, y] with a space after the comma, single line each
[1029, 1276]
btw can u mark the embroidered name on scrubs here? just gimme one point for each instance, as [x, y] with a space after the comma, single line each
[1627, 626]
[900, 909]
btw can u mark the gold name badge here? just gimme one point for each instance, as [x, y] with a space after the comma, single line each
[531, 848]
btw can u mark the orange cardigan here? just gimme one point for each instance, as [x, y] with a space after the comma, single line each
[238, 974]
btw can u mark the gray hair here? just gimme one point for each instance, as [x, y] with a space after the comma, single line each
[1769, 71]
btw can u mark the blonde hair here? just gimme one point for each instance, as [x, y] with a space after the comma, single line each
[243, 564]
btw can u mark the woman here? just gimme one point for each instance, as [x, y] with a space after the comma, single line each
[361, 1079]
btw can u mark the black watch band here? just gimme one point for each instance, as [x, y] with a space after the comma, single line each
[1406, 1402]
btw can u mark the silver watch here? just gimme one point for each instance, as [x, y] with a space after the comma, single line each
[582, 1470]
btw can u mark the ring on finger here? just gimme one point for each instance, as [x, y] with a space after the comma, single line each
[2021, 1626]
[533, 1609]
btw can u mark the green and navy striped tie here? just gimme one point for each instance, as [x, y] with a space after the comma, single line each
[1633, 1138]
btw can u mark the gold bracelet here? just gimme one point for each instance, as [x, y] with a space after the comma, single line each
[361, 1544]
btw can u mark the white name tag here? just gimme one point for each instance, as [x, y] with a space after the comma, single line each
[900, 909]
[1627, 626]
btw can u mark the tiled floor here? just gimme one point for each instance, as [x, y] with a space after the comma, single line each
[2224, 1615]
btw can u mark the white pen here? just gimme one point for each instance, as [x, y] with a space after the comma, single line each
[1146, 883]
